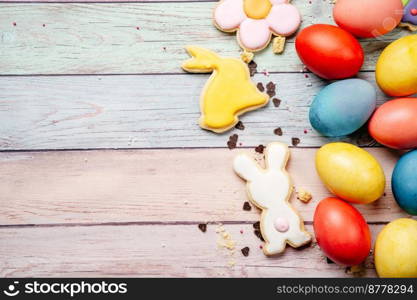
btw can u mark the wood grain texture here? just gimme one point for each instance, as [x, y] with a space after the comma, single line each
[134, 38]
[152, 186]
[154, 251]
[146, 111]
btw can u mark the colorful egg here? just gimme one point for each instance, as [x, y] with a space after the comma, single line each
[329, 51]
[350, 172]
[404, 182]
[396, 249]
[342, 107]
[368, 18]
[341, 232]
[388, 124]
[396, 69]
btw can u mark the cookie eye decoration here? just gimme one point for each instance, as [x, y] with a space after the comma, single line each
[410, 15]
[256, 21]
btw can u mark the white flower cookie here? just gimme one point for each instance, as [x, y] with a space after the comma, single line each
[270, 189]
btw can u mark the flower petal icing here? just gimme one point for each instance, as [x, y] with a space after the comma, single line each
[229, 14]
[284, 19]
[254, 34]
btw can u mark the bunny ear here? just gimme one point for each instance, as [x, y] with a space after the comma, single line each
[276, 156]
[203, 60]
[246, 167]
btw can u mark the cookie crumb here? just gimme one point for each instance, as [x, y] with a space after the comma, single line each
[295, 141]
[260, 149]
[304, 195]
[260, 86]
[246, 206]
[232, 263]
[246, 56]
[239, 125]
[225, 239]
[257, 225]
[278, 44]
[259, 235]
[252, 68]
[276, 102]
[231, 144]
[278, 131]
[245, 251]
[202, 227]
[355, 270]
[270, 89]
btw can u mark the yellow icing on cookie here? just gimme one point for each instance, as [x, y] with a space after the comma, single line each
[228, 93]
[257, 9]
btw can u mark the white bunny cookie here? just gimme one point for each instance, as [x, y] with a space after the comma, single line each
[270, 189]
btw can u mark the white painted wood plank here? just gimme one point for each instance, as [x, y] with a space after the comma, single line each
[128, 38]
[78, 112]
[194, 185]
[154, 251]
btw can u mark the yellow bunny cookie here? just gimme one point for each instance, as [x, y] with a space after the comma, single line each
[228, 93]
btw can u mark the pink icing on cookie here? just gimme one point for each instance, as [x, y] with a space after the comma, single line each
[254, 34]
[281, 224]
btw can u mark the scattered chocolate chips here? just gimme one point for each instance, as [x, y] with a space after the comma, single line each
[257, 225]
[329, 261]
[246, 206]
[295, 141]
[245, 251]
[240, 125]
[202, 227]
[278, 131]
[231, 144]
[252, 68]
[270, 89]
[260, 86]
[259, 235]
[276, 102]
[260, 149]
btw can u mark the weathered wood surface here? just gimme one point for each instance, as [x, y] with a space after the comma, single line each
[154, 251]
[123, 38]
[146, 111]
[157, 186]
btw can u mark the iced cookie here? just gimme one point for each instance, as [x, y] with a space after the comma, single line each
[256, 20]
[270, 189]
[410, 15]
[228, 93]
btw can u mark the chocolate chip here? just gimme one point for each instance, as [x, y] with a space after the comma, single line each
[276, 102]
[295, 141]
[260, 149]
[231, 144]
[246, 206]
[329, 261]
[270, 89]
[240, 125]
[278, 131]
[252, 68]
[259, 235]
[260, 86]
[202, 227]
[257, 225]
[245, 251]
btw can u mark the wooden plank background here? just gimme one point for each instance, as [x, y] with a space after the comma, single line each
[104, 171]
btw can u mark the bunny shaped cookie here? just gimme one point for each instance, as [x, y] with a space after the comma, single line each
[228, 93]
[269, 189]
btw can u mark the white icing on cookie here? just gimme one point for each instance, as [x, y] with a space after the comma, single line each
[269, 189]
[281, 225]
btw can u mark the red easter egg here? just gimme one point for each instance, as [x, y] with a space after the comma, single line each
[394, 124]
[341, 232]
[329, 51]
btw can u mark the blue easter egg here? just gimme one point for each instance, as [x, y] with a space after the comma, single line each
[342, 107]
[404, 182]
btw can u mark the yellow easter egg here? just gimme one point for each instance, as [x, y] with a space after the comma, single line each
[396, 249]
[350, 172]
[396, 69]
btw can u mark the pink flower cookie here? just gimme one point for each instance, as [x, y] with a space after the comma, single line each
[256, 20]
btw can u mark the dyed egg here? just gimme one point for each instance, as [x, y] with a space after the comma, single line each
[388, 124]
[396, 69]
[368, 18]
[404, 182]
[396, 249]
[342, 107]
[329, 51]
[341, 232]
[350, 172]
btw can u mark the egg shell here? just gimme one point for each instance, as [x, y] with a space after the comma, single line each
[395, 250]
[388, 123]
[368, 18]
[396, 68]
[329, 51]
[404, 182]
[341, 232]
[342, 107]
[350, 172]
